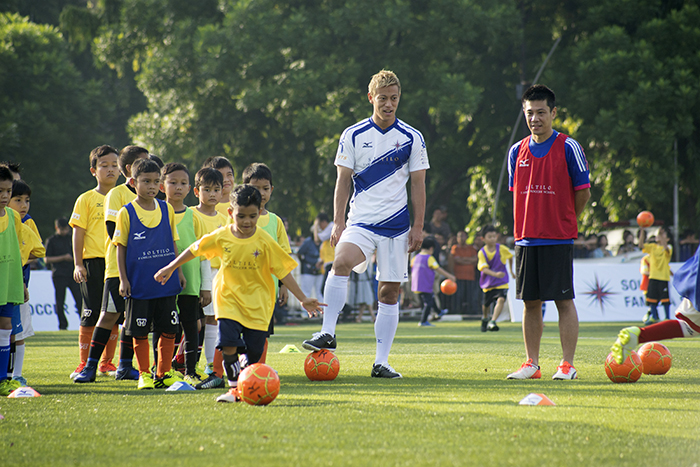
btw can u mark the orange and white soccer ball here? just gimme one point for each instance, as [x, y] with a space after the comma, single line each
[321, 365]
[629, 371]
[258, 384]
[656, 358]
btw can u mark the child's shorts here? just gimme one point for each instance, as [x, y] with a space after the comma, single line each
[25, 314]
[11, 310]
[657, 292]
[234, 334]
[92, 290]
[493, 295]
[111, 290]
[155, 314]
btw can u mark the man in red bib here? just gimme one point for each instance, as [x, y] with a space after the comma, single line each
[549, 178]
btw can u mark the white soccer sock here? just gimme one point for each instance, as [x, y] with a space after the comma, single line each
[19, 360]
[210, 332]
[385, 330]
[687, 330]
[335, 295]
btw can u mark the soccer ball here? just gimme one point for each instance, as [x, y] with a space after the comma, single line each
[628, 372]
[448, 287]
[321, 365]
[258, 384]
[645, 219]
[656, 358]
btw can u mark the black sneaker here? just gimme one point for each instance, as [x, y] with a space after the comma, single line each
[492, 326]
[383, 370]
[211, 382]
[484, 325]
[320, 341]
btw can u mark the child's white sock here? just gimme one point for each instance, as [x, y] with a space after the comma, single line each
[210, 342]
[385, 330]
[19, 360]
[335, 294]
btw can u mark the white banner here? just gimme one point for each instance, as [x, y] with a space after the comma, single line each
[42, 304]
[606, 290]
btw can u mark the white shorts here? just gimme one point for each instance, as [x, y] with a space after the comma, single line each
[25, 314]
[209, 309]
[392, 253]
[685, 312]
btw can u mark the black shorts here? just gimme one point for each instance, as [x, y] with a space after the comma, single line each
[544, 272]
[657, 291]
[112, 290]
[188, 307]
[92, 290]
[492, 296]
[144, 316]
[249, 341]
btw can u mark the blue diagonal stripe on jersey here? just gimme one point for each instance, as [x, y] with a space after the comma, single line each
[382, 168]
[393, 226]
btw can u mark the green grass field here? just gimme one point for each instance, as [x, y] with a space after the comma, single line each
[453, 407]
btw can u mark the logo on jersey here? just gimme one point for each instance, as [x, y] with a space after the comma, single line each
[141, 322]
[367, 145]
[75, 216]
[140, 235]
[227, 249]
[524, 163]
[397, 145]
[256, 253]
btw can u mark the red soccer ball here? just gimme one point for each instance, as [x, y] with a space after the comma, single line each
[628, 372]
[448, 287]
[645, 219]
[656, 358]
[321, 365]
[258, 384]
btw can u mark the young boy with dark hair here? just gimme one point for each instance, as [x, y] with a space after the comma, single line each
[112, 311]
[423, 269]
[145, 237]
[223, 165]
[89, 247]
[31, 247]
[494, 276]
[244, 290]
[175, 184]
[659, 272]
[12, 288]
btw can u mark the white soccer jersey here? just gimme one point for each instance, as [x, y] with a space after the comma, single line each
[382, 161]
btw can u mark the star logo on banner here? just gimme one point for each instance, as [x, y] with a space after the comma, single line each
[600, 293]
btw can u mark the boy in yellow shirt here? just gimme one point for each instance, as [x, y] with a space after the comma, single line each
[244, 290]
[494, 276]
[225, 168]
[30, 248]
[208, 187]
[145, 237]
[112, 311]
[89, 246]
[659, 272]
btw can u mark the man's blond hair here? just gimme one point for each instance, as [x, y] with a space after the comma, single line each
[383, 79]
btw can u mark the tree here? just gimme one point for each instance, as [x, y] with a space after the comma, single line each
[49, 116]
[278, 81]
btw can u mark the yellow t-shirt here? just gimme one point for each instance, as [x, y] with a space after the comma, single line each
[244, 290]
[222, 208]
[482, 264]
[30, 223]
[89, 215]
[149, 219]
[30, 244]
[659, 259]
[211, 223]
[115, 199]
[327, 252]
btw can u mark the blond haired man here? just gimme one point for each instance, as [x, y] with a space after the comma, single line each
[376, 158]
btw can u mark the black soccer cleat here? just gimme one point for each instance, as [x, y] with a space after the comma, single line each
[320, 341]
[383, 370]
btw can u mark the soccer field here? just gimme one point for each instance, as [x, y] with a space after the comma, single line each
[453, 407]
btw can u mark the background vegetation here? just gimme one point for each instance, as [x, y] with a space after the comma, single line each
[264, 80]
